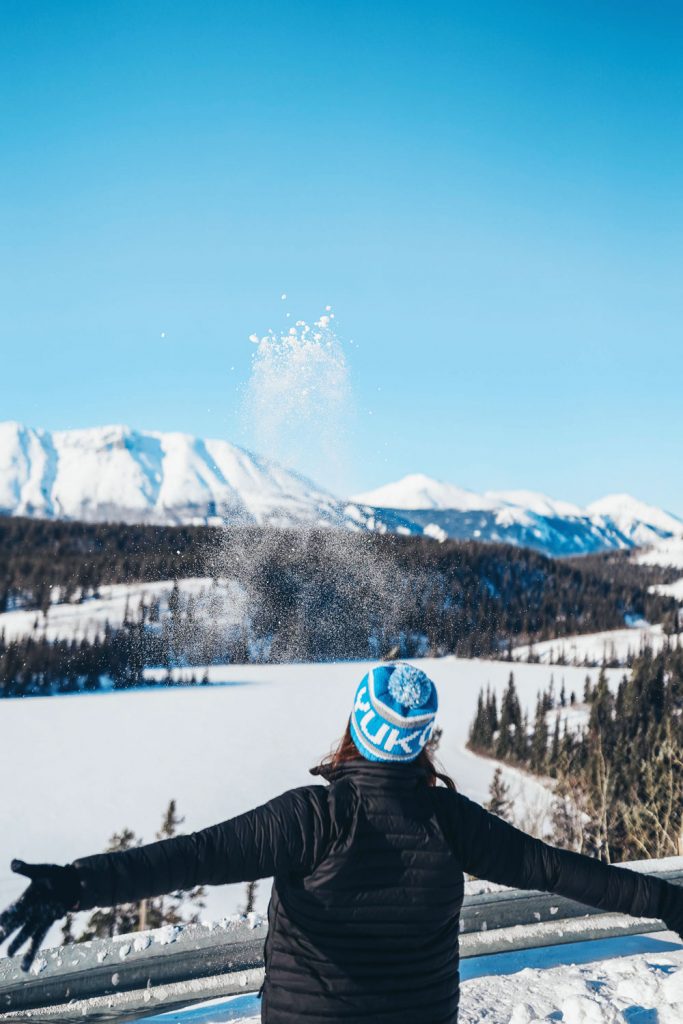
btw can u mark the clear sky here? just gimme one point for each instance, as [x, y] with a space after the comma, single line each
[489, 194]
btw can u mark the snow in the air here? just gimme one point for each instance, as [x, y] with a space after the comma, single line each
[298, 388]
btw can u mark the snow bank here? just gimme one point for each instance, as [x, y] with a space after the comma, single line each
[642, 989]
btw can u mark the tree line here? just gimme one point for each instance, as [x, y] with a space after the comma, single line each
[312, 595]
[618, 776]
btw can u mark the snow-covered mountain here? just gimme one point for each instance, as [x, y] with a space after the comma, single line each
[643, 524]
[418, 491]
[122, 475]
[525, 517]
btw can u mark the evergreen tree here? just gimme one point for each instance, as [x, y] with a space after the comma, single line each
[509, 742]
[499, 801]
[477, 728]
[491, 714]
[555, 746]
[539, 740]
[305, 598]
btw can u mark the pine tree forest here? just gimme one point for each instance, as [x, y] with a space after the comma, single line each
[617, 775]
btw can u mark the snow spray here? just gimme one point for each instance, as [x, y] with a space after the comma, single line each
[311, 592]
[297, 402]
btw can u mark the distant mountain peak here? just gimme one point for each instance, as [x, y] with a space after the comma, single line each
[418, 491]
[540, 504]
[642, 523]
[524, 517]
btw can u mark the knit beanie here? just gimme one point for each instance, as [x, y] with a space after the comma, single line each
[393, 713]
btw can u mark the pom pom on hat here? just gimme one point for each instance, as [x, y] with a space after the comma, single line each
[409, 686]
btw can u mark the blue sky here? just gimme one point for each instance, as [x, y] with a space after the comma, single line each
[489, 194]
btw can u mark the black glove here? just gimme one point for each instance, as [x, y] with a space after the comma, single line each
[52, 893]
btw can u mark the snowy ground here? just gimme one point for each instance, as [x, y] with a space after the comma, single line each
[674, 589]
[632, 980]
[645, 989]
[666, 553]
[84, 766]
[86, 619]
[610, 645]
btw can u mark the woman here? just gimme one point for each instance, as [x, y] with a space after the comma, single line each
[368, 869]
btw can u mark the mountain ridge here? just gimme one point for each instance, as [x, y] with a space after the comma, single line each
[115, 473]
[526, 518]
[118, 474]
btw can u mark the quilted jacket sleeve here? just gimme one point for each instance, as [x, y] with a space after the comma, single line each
[490, 848]
[285, 835]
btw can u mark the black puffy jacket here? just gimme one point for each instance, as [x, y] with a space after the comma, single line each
[364, 915]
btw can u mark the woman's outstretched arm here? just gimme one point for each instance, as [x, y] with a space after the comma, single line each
[490, 848]
[287, 834]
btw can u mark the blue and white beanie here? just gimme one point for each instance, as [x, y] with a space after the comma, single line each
[393, 714]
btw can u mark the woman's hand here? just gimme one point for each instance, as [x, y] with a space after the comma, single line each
[52, 893]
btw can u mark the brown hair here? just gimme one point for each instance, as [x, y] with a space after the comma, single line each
[346, 750]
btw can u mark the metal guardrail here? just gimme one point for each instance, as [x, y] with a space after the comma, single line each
[133, 976]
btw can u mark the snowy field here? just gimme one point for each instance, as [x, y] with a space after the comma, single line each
[674, 589]
[665, 552]
[83, 766]
[86, 619]
[610, 645]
